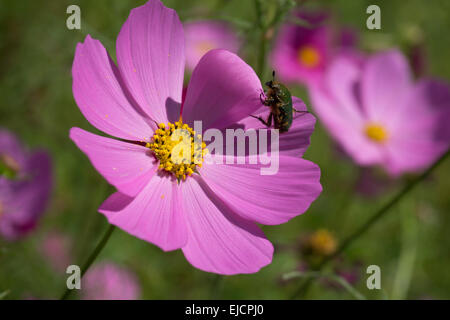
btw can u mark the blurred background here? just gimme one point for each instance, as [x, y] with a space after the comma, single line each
[411, 244]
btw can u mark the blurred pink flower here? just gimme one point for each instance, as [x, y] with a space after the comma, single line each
[302, 53]
[203, 36]
[56, 247]
[211, 216]
[25, 184]
[107, 281]
[379, 116]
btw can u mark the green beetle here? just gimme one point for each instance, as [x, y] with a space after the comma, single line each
[279, 100]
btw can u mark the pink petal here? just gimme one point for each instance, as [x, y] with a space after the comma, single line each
[10, 146]
[420, 134]
[340, 112]
[342, 80]
[385, 84]
[297, 139]
[155, 215]
[207, 35]
[219, 241]
[408, 155]
[424, 113]
[267, 199]
[24, 201]
[100, 95]
[125, 165]
[150, 56]
[223, 90]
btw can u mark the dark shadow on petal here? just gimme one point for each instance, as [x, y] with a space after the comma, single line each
[438, 96]
[116, 202]
[173, 109]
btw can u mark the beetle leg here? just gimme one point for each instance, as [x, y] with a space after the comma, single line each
[267, 122]
[261, 98]
[298, 111]
[269, 119]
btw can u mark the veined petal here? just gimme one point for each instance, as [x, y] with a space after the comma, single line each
[267, 199]
[155, 215]
[101, 96]
[125, 165]
[223, 90]
[150, 56]
[220, 241]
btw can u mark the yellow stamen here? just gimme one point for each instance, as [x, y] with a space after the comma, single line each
[178, 149]
[309, 56]
[376, 132]
[322, 242]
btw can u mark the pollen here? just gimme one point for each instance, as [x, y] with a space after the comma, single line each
[178, 148]
[376, 132]
[309, 56]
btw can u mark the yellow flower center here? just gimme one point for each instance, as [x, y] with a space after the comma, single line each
[309, 56]
[376, 132]
[204, 46]
[322, 242]
[178, 149]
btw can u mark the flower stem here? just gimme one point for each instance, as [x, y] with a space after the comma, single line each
[92, 257]
[366, 226]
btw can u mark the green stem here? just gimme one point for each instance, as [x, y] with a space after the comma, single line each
[408, 253]
[336, 278]
[92, 257]
[379, 214]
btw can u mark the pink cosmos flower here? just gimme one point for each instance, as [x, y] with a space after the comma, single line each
[210, 211]
[107, 281]
[379, 116]
[25, 184]
[302, 53]
[202, 36]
